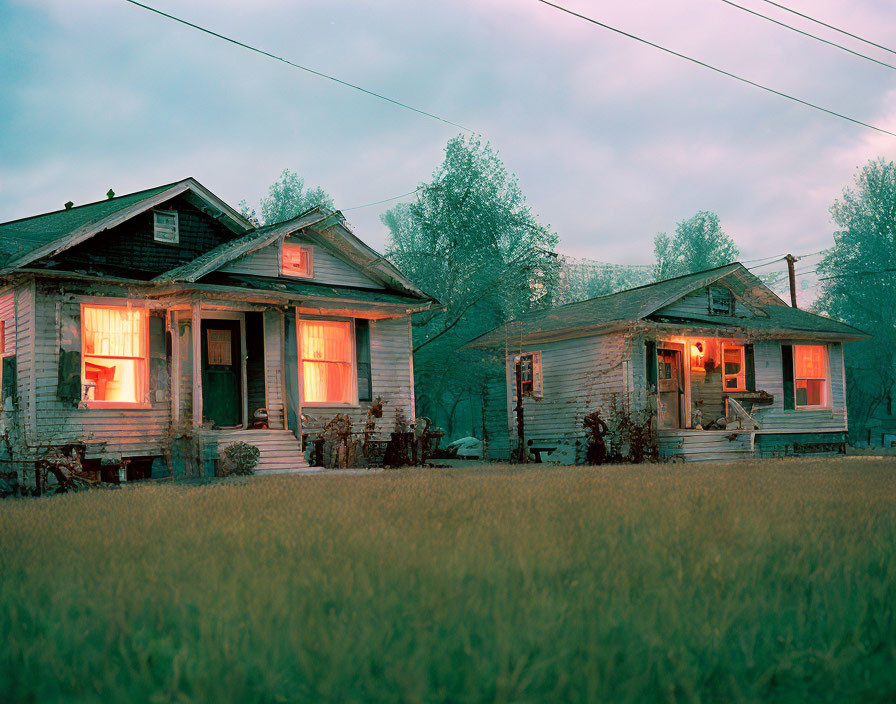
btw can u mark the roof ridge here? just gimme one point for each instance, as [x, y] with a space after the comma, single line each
[634, 288]
[96, 202]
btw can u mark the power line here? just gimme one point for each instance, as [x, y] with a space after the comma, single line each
[858, 273]
[713, 68]
[830, 26]
[809, 34]
[299, 66]
[759, 266]
[761, 259]
[385, 200]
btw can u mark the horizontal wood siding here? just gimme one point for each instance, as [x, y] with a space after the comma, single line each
[8, 316]
[126, 432]
[390, 357]
[273, 367]
[24, 311]
[580, 376]
[697, 303]
[131, 246]
[327, 268]
[769, 377]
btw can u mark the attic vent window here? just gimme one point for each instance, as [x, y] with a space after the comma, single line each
[721, 301]
[165, 227]
[295, 260]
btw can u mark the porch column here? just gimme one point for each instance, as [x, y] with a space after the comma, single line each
[197, 362]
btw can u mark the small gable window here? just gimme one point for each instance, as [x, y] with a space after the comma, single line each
[165, 226]
[721, 301]
[295, 260]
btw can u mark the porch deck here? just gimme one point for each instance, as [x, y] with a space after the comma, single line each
[706, 445]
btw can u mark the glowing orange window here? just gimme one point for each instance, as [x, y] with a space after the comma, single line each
[327, 374]
[114, 354]
[810, 375]
[295, 259]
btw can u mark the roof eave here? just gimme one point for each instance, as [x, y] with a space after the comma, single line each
[85, 232]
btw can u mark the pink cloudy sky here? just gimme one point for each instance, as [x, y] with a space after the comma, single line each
[612, 141]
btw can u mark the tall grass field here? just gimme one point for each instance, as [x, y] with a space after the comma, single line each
[764, 581]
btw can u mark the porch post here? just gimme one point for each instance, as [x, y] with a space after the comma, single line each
[197, 362]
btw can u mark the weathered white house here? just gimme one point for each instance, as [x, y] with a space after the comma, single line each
[717, 344]
[165, 313]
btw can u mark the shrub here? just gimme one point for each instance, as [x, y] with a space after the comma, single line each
[621, 435]
[240, 458]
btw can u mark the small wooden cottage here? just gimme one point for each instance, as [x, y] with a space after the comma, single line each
[711, 349]
[165, 314]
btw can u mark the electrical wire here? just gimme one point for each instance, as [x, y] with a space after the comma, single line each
[830, 26]
[299, 66]
[808, 34]
[385, 200]
[713, 68]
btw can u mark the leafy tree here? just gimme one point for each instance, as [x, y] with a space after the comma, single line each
[858, 279]
[581, 279]
[287, 197]
[699, 243]
[470, 240]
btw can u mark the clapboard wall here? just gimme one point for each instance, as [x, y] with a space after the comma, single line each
[326, 267]
[770, 378]
[391, 375]
[125, 432]
[579, 376]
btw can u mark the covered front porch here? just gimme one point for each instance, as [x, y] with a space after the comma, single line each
[705, 396]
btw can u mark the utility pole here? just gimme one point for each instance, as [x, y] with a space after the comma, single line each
[520, 432]
[790, 262]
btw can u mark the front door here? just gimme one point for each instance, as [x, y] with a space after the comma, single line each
[670, 387]
[222, 400]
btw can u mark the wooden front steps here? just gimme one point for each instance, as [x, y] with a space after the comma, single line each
[280, 449]
[706, 445]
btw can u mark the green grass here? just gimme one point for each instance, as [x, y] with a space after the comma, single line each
[770, 581]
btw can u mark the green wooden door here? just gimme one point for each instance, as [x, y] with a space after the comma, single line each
[222, 400]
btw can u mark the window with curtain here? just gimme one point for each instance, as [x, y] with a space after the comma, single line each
[810, 365]
[114, 354]
[327, 374]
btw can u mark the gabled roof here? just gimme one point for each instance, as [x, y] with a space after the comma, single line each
[612, 311]
[322, 225]
[226, 252]
[26, 240]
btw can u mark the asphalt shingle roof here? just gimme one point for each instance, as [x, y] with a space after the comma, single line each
[19, 237]
[643, 301]
[308, 288]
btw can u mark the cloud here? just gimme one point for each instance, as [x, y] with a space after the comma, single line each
[612, 140]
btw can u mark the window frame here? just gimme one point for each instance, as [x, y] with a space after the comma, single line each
[827, 381]
[309, 250]
[142, 379]
[741, 376]
[2, 357]
[155, 227]
[713, 309]
[537, 390]
[353, 403]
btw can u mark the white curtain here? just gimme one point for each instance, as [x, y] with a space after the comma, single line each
[326, 361]
[114, 353]
[810, 362]
[114, 332]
